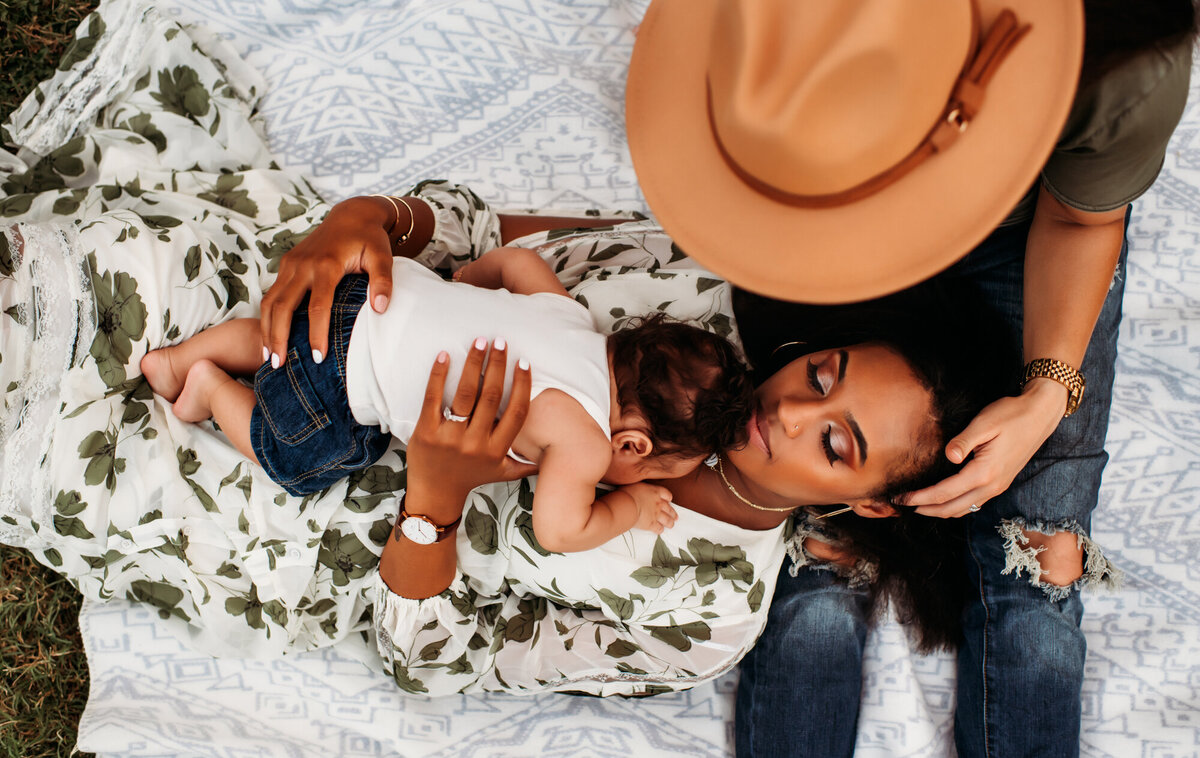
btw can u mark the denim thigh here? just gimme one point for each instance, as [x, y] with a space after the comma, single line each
[302, 430]
[1020, 667]
[801, 683]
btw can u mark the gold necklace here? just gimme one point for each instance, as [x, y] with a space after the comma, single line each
[714, 461]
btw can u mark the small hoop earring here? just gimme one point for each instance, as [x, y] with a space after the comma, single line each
[797, 343]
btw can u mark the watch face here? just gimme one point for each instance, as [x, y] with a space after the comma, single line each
[419, 530]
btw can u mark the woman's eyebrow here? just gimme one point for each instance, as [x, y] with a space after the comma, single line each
[856, 430]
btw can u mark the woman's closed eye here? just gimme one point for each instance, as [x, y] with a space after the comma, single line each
[824, 375]
[814, 380]
[837, 442]
[827, 445]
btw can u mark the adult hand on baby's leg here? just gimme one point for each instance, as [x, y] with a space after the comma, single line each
[353, 238]
[654, 510]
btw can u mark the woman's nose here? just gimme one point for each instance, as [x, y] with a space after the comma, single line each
[796, 413]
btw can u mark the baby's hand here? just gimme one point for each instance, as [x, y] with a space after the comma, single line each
[654, 509]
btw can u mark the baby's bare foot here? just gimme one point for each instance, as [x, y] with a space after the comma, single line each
[159, 369]
[195, 400]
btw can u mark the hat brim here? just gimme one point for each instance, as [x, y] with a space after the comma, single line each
[901, 235]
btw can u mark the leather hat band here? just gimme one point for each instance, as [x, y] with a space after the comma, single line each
[964, 103]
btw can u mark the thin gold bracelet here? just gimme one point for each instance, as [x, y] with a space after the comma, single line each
[395, 207]
[412, 220]
[412, 217]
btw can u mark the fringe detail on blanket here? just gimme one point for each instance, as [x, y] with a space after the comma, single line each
[109, 52]
[50, 320]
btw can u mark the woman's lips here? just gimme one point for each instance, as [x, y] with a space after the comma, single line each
[759, 433]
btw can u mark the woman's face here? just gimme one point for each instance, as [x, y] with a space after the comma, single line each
[831, 427]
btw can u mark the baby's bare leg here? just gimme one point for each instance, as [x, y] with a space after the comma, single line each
[210, 392]
[234, 346]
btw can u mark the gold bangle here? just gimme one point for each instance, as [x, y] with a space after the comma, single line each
[392, 200]
[1063, 373]
[412, 220]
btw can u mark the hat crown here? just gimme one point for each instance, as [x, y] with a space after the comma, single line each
[819, 96]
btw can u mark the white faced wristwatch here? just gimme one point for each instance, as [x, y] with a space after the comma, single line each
[421, 529]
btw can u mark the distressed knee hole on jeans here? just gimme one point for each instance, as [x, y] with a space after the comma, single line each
[1022, 558]
[860, 573]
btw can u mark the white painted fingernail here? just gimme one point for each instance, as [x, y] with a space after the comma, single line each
[480, 343]
[317, 357]
[274, 360]
[523, 364]
[266, 354]
[500, 343]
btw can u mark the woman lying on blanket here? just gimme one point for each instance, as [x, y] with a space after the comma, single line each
[834, 422]
[157, 212]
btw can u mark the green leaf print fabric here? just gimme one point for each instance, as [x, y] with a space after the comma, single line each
[144, 205]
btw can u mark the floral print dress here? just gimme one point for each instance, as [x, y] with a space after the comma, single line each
[144, 205]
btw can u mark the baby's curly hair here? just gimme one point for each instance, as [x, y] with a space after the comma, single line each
[687, 384]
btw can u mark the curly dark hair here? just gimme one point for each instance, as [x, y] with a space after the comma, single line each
[688, 385]
[966, 356]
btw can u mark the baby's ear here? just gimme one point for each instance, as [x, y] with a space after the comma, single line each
[631, 450]
[632, 443]
[868, 508]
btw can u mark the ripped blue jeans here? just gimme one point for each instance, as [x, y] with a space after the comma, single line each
[1020, 664]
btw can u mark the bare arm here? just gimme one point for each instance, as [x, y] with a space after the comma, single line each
[574, 455]
[515, 269]
[570, 521]
[1069, 264]
[514, 225]
[565, 518]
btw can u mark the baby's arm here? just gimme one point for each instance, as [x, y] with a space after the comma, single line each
[567, 520]
[573, 453]
[515, 269]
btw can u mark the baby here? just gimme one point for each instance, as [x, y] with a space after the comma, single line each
[647, 402]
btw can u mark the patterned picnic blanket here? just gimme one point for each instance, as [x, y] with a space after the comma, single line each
[522, 99]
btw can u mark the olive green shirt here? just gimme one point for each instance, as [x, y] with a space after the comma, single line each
[1113, 144]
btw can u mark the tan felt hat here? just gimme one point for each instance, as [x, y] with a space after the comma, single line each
[836, 150]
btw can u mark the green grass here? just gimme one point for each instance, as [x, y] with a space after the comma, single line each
[44, 679]
[35, 33]
[43, 672]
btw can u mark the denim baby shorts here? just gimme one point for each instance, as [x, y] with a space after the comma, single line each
[302, 429]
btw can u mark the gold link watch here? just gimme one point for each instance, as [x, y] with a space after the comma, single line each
[1051, 368]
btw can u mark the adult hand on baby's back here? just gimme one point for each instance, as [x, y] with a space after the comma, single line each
[450, 456]
[452, 451]
[1001, 440]
[353, 238]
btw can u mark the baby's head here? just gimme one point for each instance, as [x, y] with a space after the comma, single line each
[683, 394]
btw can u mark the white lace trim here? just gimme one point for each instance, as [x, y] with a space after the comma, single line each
[73, 98]
[52, 295]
